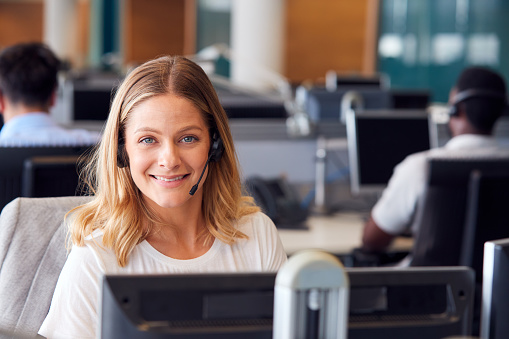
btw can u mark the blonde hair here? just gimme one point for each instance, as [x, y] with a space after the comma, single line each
[118, 208]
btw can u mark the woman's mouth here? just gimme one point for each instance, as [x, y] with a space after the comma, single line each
[169, 179]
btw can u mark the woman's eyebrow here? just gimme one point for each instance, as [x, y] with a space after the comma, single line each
[146, 129]
[154, 130]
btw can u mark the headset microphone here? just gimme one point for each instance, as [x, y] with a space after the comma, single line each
[195, 187]
[215, 153]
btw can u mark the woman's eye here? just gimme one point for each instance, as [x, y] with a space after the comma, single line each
[147, 140]
[188, 139]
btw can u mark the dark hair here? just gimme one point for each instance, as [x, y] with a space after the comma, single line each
[482, 112]
[28, 73]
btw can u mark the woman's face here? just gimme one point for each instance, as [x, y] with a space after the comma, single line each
[167, 142]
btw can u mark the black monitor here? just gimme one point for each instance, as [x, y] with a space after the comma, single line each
[335, 81]
[188, 306]
[495, 290]
[426, 302]
[379, 140]
[88, 97]
[410, 99]
[324, 106]
[12, 162]
[52, 176]
[412, 302]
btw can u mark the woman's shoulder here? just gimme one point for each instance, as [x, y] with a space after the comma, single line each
[256, 218]
[93, 252]
[255, 223]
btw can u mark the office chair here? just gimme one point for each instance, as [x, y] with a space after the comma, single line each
[32, 253]
[464, 206]
[442, 211]
[486, 216]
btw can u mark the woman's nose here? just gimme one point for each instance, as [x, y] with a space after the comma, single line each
[169, 156]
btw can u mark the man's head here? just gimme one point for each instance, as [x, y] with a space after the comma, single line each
[479, 96]
[28, 74]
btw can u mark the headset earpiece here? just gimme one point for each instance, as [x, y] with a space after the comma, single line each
[216, 147]
[453, 111]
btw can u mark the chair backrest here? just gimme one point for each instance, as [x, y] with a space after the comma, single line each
[443, 207]
[11, 166]
[487, 216]
[32, 254]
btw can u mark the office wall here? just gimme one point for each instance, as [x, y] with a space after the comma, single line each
[324, 35]
[157, 27]
[320, 34]
[426, 44]
[20, 21]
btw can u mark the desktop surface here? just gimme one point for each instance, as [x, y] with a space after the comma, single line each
[339, 233]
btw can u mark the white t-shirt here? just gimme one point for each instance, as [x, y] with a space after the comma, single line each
[395, 210]
[75, 303]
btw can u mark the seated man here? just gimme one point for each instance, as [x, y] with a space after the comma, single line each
[28, 84]
[477, 100]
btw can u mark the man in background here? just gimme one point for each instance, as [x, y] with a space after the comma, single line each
[28, 85]
[476, 102]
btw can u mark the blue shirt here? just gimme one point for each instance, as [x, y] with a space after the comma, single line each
[38, 129]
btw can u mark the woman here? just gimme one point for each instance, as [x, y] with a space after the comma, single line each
[166, 133]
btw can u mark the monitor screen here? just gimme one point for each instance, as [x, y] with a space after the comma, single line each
[51, 176]
[91, 102]
[410, 99]
[495, 290]
[379, 140]
[88, 97]
[384, 303]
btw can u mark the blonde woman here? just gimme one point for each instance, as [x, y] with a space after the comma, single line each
[167, 196]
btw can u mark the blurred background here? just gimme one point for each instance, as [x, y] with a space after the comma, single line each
[418, 44]
[269, 60]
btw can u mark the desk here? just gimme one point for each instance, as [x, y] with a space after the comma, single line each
[339, 233]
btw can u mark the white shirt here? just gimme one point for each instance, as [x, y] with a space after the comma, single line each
[38, 129]
[74, 307]
[395, 210]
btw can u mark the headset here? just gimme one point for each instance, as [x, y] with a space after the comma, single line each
[474, 93]
[215, 153]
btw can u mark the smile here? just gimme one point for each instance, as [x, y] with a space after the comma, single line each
[167, 179]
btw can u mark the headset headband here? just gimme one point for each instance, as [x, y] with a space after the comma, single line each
[471, 93]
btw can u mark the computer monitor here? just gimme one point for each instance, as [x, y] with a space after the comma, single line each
[379, 140]
[416, 302]
[412, 302]
[324, 106]
[52, 176]
[410, 99]
[495, 290]
[88, 98]
[224, 305]
[11, 167]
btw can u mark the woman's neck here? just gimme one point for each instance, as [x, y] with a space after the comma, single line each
[182, 233]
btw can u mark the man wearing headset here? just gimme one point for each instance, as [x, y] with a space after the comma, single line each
[476, 102]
